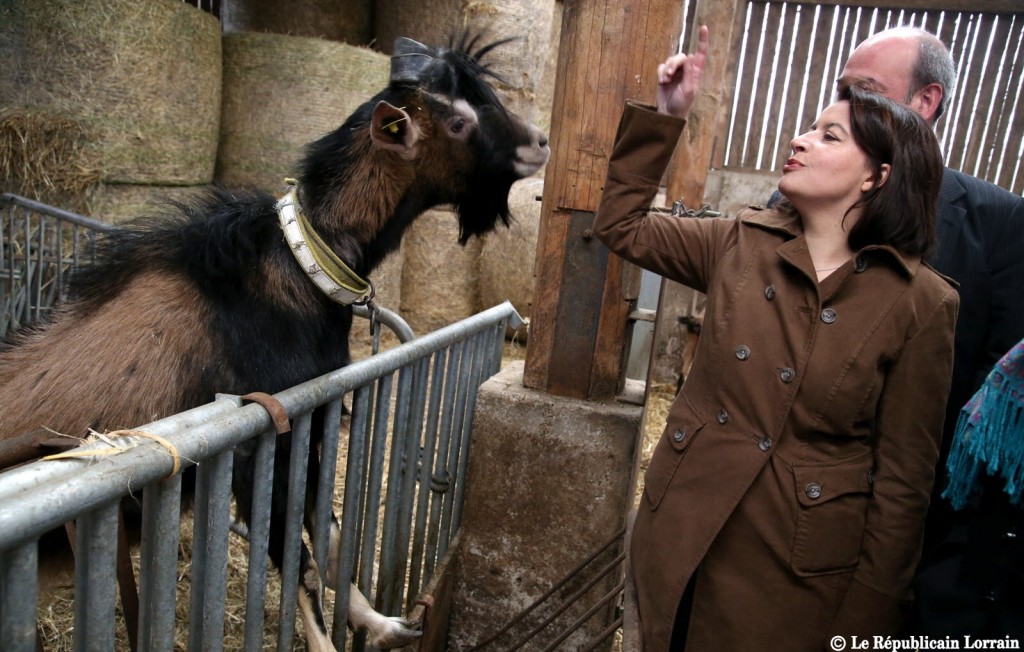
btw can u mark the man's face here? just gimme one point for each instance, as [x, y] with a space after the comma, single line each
[884, 66]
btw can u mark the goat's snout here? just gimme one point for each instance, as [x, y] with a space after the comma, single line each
[531, 157]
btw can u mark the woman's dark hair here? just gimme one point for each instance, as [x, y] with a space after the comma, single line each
[901, 212]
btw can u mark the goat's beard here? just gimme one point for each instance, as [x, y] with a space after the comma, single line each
[481, 210]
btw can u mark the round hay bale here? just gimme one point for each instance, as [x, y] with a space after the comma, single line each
[508, 256]
[114, 203]
[432, 22]
[439, 277]
[387, 281]
[133, 88]
[282, 92]
[349, 21]
[520, 62]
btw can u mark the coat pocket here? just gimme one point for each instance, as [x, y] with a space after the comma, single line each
[684, 424]
[832, 506]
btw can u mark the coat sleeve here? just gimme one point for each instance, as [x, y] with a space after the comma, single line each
[907, 435]
[680, 249]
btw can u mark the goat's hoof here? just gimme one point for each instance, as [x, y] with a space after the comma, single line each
[394, 632]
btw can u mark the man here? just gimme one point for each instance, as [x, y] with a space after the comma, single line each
[971, 577]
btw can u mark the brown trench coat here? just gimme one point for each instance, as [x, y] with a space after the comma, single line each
[794, 471]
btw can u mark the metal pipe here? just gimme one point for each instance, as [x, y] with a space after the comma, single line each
[95, 578]
[351, 512]
[18, 590]
[297, 469]
[259, 535]
[46, 209]
[392, 320]
[324, 509]
[158, 569]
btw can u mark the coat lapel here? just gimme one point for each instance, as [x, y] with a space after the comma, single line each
[949, 222]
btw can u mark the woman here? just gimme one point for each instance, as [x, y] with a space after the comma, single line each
[785, 501]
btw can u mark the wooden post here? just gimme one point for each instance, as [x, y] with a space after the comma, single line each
[688, 173]
[609, 53]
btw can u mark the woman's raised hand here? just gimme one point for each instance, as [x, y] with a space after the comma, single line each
[679, 78]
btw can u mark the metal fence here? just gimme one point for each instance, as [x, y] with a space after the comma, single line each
[401, 492]
[39, 246]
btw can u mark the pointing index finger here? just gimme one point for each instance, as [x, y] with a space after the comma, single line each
[702, 40]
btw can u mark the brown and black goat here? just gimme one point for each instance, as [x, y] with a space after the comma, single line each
[209, 297]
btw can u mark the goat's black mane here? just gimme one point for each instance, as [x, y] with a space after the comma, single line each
[466, 70]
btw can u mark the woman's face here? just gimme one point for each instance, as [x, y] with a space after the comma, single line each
[827, 166]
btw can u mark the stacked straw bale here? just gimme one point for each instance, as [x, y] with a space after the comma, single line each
[118, 91]
[508, 256]
[439, 277]
[117, 202]
[348, 21]
[282, 92]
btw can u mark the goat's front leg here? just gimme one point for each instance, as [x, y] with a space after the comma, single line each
[310, 602]
[384, 632]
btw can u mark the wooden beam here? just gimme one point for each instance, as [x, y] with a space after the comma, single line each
[609, 52]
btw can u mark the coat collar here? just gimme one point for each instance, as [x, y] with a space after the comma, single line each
[790, 227]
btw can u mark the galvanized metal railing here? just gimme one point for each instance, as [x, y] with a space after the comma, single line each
[403, 486]
[401, 491]
[39, 246]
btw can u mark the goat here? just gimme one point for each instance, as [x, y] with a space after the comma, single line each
[209, 297]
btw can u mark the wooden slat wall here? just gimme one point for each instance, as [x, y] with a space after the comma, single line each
[210, 6]
[791, 53]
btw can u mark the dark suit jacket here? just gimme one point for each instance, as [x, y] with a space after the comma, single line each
[971, 577]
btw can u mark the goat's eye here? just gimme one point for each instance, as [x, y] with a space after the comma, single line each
[458, 124]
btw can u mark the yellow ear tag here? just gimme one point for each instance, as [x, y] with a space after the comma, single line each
[393, 125]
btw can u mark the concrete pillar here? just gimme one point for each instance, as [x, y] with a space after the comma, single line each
[549, 482]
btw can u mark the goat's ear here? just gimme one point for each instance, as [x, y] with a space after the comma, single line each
[392, 128]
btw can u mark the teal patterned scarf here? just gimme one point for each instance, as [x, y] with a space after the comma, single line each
[990, 433]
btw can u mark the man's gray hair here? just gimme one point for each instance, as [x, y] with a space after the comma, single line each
[934, 66]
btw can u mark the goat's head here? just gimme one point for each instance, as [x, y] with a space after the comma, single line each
[441, 136]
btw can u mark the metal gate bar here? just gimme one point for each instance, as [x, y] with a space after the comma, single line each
[159, 563]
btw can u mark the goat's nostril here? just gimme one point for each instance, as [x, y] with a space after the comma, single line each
[543, 141]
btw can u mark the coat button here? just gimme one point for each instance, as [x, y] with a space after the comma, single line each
[723, 416]
[679, 436]
[769, 292]
[743, 352]
[813, 490]
[765, 444]
[787, 375]
[862, 264]
[828, 315]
